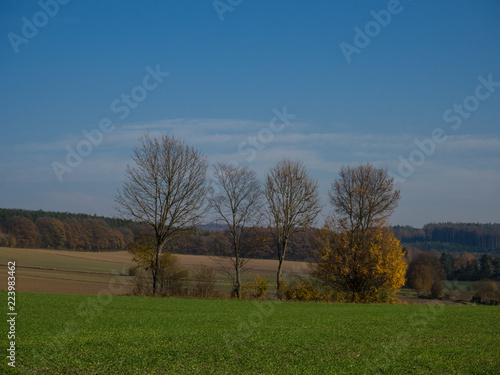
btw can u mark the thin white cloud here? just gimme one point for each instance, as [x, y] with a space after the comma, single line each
[470, 142]
[461, 173]
[219, 125]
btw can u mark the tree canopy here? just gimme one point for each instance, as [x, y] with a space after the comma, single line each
[166, 189]
[358, 254]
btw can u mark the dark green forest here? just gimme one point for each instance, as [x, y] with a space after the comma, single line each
[452, 237]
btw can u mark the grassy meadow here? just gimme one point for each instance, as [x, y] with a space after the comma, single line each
[83, 324]
[78, 334]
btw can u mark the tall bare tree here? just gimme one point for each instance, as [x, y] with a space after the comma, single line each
[166, 189]
[238, 205]
[363, 197]
[293, 204]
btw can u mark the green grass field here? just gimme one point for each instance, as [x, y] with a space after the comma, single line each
[77, 334]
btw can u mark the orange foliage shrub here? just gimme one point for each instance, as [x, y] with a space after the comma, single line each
[256, 288]
[361, 267]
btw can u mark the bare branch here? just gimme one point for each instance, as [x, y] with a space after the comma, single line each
[363, 197]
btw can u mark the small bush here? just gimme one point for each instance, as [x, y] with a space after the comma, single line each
[174, 283]
[172, 278]
[281, 294]
[205, 282]
[486, 293]
[256, 288]
[143, 285]
[424, 271]
[437, 290]
[302, 291]
[133, 271]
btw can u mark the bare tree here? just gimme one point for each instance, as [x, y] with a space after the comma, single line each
[363, 197]
[293, 204]
[238, 205]
[166, 189]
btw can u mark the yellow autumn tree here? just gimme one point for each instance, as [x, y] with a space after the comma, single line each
[358, 254]
[361, 267]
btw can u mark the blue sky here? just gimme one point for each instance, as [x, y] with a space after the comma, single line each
[328, 82]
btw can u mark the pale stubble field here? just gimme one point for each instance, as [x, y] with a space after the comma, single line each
[77, 272]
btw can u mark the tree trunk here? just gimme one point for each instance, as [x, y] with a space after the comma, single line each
[279, 275]
[238, 280]
[156, 275]
[237, 264]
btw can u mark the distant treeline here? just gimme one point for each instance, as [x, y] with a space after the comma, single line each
[6, 213]
[64, 230]
[452, 237]
[462, 266]
[55, 230]
[215, 243]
